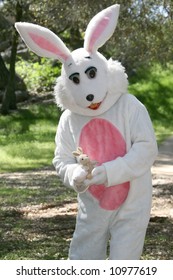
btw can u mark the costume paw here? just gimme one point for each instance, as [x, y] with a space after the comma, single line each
[81, 188]
[79, 176]
[99, 177]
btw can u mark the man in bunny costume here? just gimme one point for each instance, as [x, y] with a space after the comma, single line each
[113, 128]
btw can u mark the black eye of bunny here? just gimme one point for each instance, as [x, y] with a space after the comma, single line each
[75, 78]
[91, 72]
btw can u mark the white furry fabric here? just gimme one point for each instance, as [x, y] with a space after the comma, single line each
[113, 128]
[110, 83]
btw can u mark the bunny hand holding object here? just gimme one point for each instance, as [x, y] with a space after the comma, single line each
[83, 171]
[113, 128]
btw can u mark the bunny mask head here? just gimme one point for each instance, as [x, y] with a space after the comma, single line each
[89, 84]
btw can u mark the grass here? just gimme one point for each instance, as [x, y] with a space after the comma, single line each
[33, 226]
[158, 242]
[153, 87]
[25, 231]
[27, 142]
[27, 137]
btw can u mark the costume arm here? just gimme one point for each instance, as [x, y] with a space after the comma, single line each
[64, 161]
[142, 153]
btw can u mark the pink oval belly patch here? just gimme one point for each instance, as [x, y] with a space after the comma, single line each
[103, 142]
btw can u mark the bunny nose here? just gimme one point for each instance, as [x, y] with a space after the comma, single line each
[90, 97]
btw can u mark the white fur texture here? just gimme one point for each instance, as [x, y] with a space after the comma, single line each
[101, 28]
[50, 44]
[110, 80]
[108, 85]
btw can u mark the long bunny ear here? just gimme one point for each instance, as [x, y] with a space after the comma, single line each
[80, 150]
[76, 154]
[101, 28]
[42, 41]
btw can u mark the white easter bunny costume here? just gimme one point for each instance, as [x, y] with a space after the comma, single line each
[113, 128]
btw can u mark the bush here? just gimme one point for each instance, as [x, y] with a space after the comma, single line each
[39, 76]
[153, 87]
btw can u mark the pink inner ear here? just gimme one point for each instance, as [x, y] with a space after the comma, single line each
[100, 27]
[46, 45]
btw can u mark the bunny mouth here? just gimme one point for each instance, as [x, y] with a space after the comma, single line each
[94, 106]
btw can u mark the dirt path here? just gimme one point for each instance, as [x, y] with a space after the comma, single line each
[51, 210]
[163, 181]
[162, 173]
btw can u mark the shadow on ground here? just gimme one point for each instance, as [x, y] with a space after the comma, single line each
[41, 238]
[37, 217]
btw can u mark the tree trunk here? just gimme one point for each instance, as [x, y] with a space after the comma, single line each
[4, 74]
[9, 99]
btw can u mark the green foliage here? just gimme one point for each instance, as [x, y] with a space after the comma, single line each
[143, 34]
[27, 137]
[38, 75]
[153, 87]
[30, 226]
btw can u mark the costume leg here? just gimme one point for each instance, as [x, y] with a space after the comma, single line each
[128, 227]
[91, 234]
[127, 241]
[88, 244]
